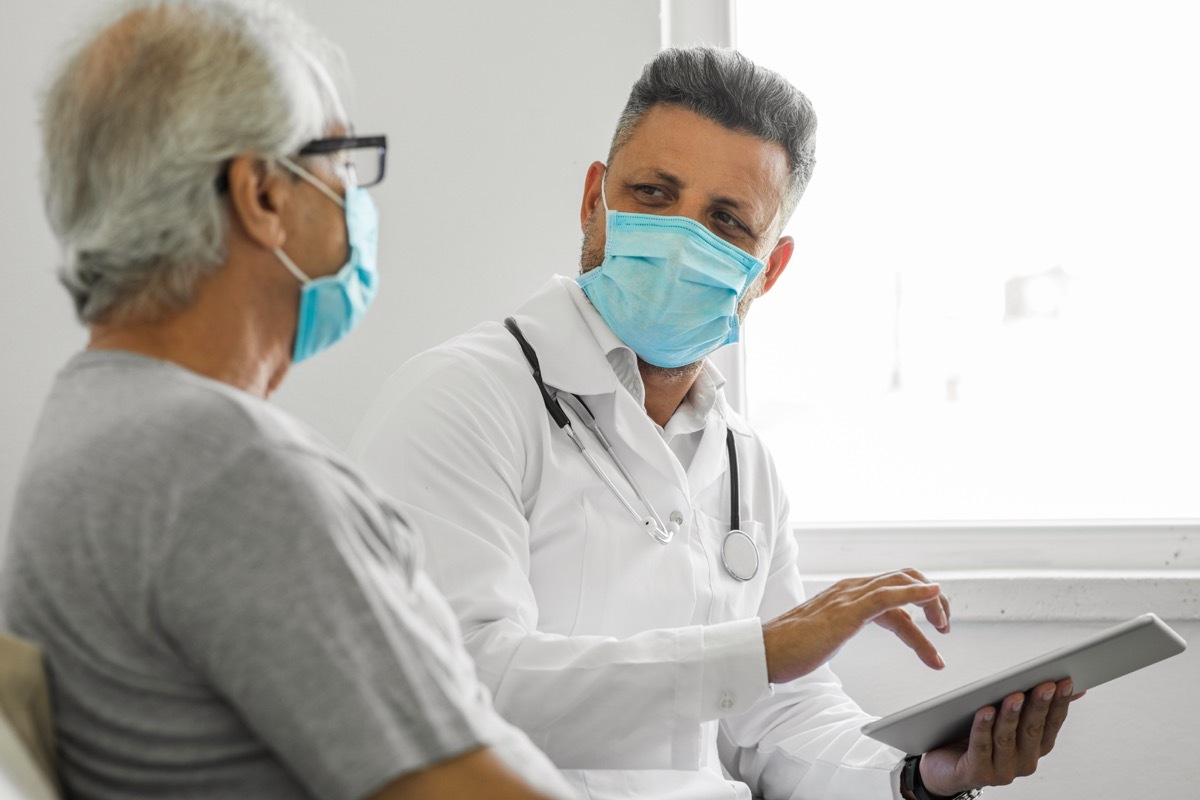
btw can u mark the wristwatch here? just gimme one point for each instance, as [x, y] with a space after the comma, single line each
[913, 788]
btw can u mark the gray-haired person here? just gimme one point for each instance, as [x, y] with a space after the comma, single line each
[637, 607]
[228, 609]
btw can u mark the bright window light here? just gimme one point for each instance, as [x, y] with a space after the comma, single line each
[993, 311]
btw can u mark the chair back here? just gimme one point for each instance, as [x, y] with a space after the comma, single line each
[27, 756]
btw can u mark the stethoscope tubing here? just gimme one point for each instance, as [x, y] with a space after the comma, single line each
[736, 547]
[661, 532]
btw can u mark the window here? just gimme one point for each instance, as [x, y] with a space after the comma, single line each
[992, 312]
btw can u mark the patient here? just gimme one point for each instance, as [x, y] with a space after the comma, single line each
[227, 608]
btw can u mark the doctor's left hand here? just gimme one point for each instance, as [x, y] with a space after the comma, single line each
[1002, 746]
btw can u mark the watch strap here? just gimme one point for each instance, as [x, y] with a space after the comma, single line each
[912, 787]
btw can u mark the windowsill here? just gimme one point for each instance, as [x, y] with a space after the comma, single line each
[1046, 596]
[858, 548]
[1035, 571]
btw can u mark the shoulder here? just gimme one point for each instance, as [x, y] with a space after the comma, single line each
[142, 432]
[487, 353]
[132, 396]
[477, 379]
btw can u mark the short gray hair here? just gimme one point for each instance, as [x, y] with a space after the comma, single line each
[140, 121]
[731, 90]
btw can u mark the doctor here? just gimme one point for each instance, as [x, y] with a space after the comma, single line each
[636, 606]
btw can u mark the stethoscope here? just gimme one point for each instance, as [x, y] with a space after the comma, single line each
[739, 554]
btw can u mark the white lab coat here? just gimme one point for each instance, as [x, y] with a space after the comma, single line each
[638, 667]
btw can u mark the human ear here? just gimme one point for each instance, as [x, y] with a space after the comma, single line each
[778, 260]
[257, 198]
[592, 185]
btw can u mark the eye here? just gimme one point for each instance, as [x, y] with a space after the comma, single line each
[730, 221]
[649, 193]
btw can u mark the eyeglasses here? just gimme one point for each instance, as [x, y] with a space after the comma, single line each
[364, 157]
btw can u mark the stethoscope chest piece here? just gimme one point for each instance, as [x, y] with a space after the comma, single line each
[739, 555]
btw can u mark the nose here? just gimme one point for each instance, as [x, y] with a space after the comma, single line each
[694, 208]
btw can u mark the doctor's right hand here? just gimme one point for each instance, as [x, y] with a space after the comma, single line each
[806, 637]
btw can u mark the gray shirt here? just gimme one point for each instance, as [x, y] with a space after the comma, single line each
[228, 609]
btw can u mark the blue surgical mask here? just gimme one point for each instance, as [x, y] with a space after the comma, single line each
[669, 287]
[333, 305]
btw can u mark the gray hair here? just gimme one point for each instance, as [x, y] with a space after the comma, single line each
[731, 90]
[141, 120]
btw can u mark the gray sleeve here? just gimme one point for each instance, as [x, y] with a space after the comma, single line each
[297, 597]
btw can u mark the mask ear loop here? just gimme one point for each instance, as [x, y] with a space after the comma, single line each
[301, 172]
[291, 266]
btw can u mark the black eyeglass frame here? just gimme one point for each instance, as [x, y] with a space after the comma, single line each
[330, 145]
[336, 143]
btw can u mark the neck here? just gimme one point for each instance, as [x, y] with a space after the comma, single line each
[666, 387]
[256, 377]
[218, 335]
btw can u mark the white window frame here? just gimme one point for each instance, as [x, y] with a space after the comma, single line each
[1100, 569]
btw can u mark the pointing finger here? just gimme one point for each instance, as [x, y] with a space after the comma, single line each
[901, 624]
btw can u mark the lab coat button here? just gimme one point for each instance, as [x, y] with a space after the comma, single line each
[726, 701]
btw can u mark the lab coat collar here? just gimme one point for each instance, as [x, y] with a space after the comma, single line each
[559, 321]
[573, 352]
[556, 322]
[708, 397]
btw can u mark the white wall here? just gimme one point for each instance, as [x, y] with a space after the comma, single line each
[494, 110]
[1133, 737]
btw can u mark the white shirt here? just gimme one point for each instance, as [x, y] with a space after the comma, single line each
[637, 667]
[686, 426]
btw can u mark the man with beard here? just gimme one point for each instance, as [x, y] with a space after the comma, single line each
[614, 537]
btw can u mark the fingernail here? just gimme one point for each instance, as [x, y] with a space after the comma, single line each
[941, 662]
[988, 715]
[1048, 695]
[1017, 705]
[1067, 689]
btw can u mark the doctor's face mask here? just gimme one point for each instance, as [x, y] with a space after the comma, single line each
[333, 305]
[668, 287]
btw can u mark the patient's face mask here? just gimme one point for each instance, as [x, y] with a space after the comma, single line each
[333, 305]
[668, 286]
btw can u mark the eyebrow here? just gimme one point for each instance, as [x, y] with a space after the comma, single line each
[678, 183]
[724, 200]
[664, 176]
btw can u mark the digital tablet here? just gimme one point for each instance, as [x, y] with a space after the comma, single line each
[1099, 658]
